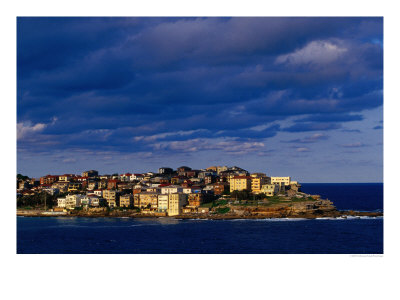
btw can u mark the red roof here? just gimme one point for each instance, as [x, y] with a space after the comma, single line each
[164, 184]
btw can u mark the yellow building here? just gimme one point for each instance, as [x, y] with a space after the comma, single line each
[285, 180]
[74, 186]
[175, 203]
[240, 183]
[62, 186]
[126, 200]
[270, 189]
[111, 197]
[136, 200]
[65, 177]
[146, 198]
[257, 181]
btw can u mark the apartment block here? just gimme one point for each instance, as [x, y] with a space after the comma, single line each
[74, 186]
[175, 203]
[270, 189]
[163, 202]
[240, 183]
[195, 199]
[112, 197]
[257, 181]
[61, 202]
[285, 180]
[126, 200]
[72, 201]
[146, 199]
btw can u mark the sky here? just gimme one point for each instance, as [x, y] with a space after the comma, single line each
[299, 97]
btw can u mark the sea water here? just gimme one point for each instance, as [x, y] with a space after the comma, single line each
[167, 235]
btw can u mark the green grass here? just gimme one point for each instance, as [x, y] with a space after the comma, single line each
[209, 204]
[223, 210]
[221, 203]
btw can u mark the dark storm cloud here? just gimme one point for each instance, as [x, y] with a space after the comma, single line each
[105, 82]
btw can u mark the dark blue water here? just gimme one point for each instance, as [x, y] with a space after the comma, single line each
[165, 235]
[349, 196]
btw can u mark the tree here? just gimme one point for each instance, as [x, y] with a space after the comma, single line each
[22, 177]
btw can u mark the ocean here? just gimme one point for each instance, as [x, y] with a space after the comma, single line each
[266, 236]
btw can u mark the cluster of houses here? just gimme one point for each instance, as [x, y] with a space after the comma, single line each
[169, 191]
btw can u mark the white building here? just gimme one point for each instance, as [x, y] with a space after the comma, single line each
[89, 199]
[171, 189]
[61, 202]
[187, 190]
[72, 201]
[136, 177]
[126, 177]
[163, 202]
[98, 193]
[270, 189]
[279, 180]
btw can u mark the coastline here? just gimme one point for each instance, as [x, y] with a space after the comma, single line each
[334, 214]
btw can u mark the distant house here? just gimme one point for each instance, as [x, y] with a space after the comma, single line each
[136, 177]
[48, 179]
[52, 191]
[183, 169]
[165, 170]
[98, 193]
[171, 189]
[112, 184]
[92, 185]
[74, 186]
[178, 179]
[61, 185]
[61, 202]
[220, 187]
[270, 189]
[72, 201]
[90, 200]
[90, 173]
[97, 202]
[195, 199]
[279, 180]
[125, 177]
[65, 177]
[187, 190]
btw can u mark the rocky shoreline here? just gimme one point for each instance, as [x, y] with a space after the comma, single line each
[228, 216]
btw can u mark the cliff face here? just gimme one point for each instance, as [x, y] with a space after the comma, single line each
[297, 209]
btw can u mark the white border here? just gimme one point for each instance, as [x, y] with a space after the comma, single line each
[198, 276]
